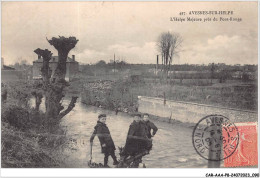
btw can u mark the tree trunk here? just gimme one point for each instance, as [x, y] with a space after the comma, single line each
[53, 98]
[54, 88]
[162, 63]
[38, 100]
[60, 71]
[46, 71]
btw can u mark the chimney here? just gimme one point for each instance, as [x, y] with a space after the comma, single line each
[73, 57]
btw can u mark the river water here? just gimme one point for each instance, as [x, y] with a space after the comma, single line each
[172, 145]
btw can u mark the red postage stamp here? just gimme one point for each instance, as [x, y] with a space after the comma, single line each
[246, 153]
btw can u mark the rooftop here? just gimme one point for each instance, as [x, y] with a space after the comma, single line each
[7, 68]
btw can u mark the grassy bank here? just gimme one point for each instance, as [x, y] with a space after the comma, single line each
[112, 95]
[230, 95]
[25, 143]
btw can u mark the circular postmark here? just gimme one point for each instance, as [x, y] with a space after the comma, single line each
[215, 138]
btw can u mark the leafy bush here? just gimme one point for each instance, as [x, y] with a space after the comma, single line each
[114, 96]
[16, 116]
[19, 93]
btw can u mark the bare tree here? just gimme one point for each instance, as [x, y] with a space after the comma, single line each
[54, 86]
[168, 45]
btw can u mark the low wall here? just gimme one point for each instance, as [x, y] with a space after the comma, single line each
[190, 112]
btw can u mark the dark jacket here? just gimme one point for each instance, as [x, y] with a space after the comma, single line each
[137, 138]
[102, 131]
[150, 125]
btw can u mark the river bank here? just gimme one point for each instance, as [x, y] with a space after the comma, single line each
[122, 94]
[113, 95]
[25, 142]
[188, 112]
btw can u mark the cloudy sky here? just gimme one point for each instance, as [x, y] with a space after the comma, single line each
[130, 30]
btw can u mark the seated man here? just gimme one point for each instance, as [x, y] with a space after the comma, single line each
[136, 142]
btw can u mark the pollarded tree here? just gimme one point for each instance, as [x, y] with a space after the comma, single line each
[54, 85]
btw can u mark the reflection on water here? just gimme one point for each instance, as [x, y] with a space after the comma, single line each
[172, 145]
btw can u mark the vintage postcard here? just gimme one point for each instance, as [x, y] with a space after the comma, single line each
[130, 85]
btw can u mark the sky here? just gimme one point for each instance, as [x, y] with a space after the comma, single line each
[130, 30]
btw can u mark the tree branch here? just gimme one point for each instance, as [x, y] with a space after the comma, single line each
[70, 107]
[46, 71]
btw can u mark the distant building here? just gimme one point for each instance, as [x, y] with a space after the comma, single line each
[7, 68]
[9, 74]
[72, 67]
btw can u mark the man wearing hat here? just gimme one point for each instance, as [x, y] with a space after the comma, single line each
[136, 141]
[105, 139]
[150, 126]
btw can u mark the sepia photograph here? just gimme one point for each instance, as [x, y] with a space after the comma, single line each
[130, 85]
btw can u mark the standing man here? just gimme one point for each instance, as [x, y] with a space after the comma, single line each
[150, 126]
[105, 139]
